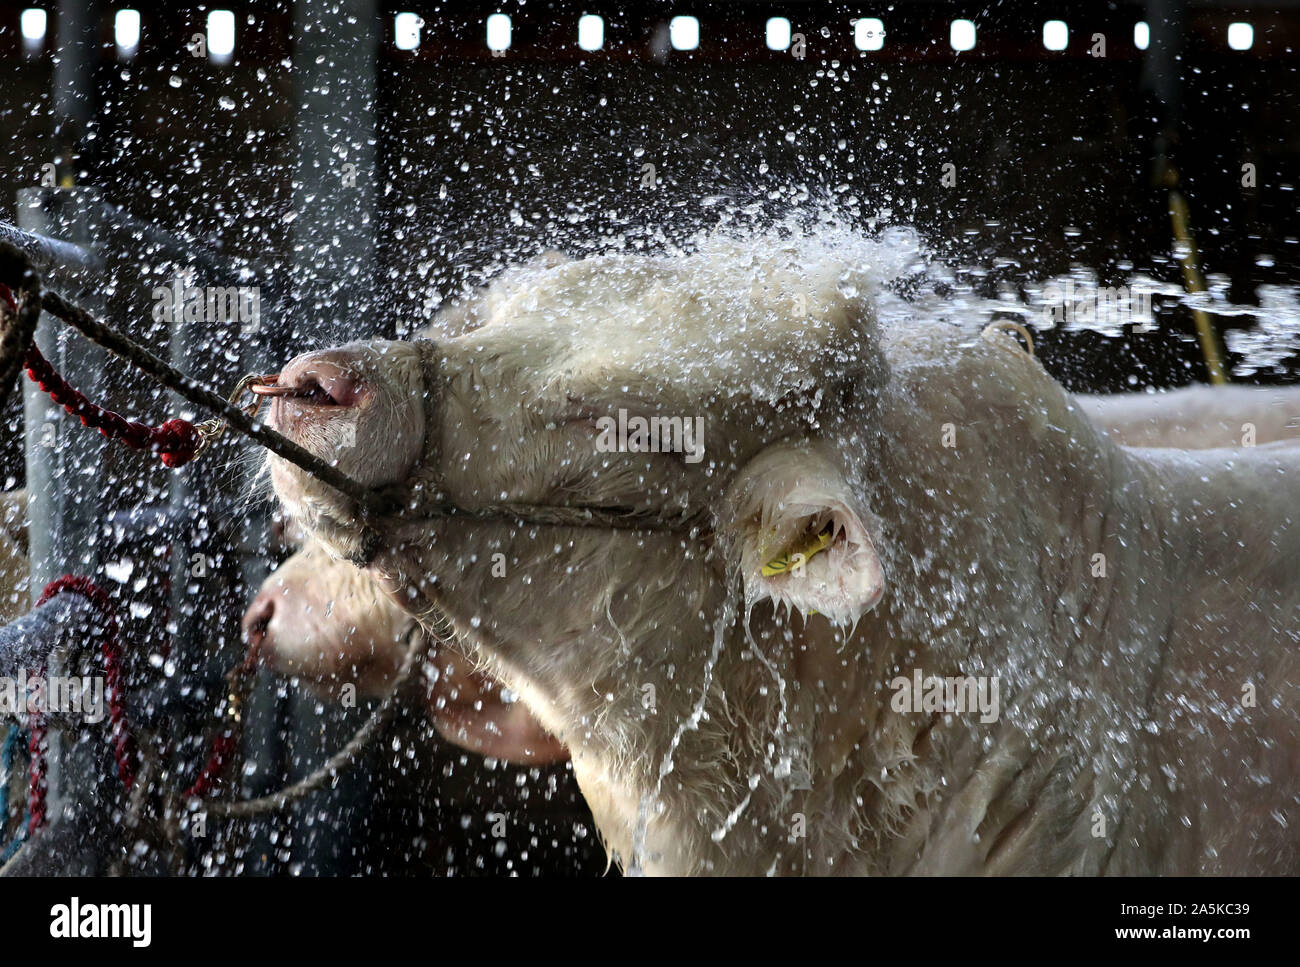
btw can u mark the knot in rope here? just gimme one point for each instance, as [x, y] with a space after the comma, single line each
[177, 441]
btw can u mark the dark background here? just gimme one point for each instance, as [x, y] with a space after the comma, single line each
[476, 161]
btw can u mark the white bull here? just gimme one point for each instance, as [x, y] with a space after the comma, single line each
[935, 507]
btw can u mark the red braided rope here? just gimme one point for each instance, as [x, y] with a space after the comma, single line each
[225, 743]
[224, 746]
[38, 786]
[124, 749]
[176, 441]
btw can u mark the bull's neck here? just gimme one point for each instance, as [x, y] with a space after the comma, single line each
[1058, 585]
[696, 797]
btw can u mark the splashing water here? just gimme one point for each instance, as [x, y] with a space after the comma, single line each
[898, 272]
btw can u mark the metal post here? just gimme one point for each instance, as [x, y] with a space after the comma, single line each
[65, 482]
[76, 93]
[336, 45]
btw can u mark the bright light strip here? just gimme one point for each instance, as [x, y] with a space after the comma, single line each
[498, 32]
[778, 33]
[962, 34]
[221, 34]
[684, 33]
[406, 31]
[591, 32]
[1056, 35]
[126, 31]
[869, 34]
[32, 23]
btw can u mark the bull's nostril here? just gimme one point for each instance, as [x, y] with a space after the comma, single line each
[313, 392]
[320, 384]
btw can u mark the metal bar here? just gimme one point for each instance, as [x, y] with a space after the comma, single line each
[1194, 282]
[50, 254]
[335, 206]
[1162, 78]
[334, 184]
[131, 237]
[65, 504]
[124, 236]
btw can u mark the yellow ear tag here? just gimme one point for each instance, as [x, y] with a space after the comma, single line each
[788, 559]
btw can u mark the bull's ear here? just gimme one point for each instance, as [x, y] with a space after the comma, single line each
[800, 536]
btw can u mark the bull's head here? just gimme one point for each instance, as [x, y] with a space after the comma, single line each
[562, 398]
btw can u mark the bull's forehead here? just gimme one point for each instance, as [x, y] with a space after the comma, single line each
[697, 326]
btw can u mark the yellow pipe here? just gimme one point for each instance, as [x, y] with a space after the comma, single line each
[1194, 282]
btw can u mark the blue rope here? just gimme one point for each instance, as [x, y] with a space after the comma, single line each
[6, 773]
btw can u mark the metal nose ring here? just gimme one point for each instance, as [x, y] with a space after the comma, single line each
[270, 387]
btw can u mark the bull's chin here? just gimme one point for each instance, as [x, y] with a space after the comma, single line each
[329, 517]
